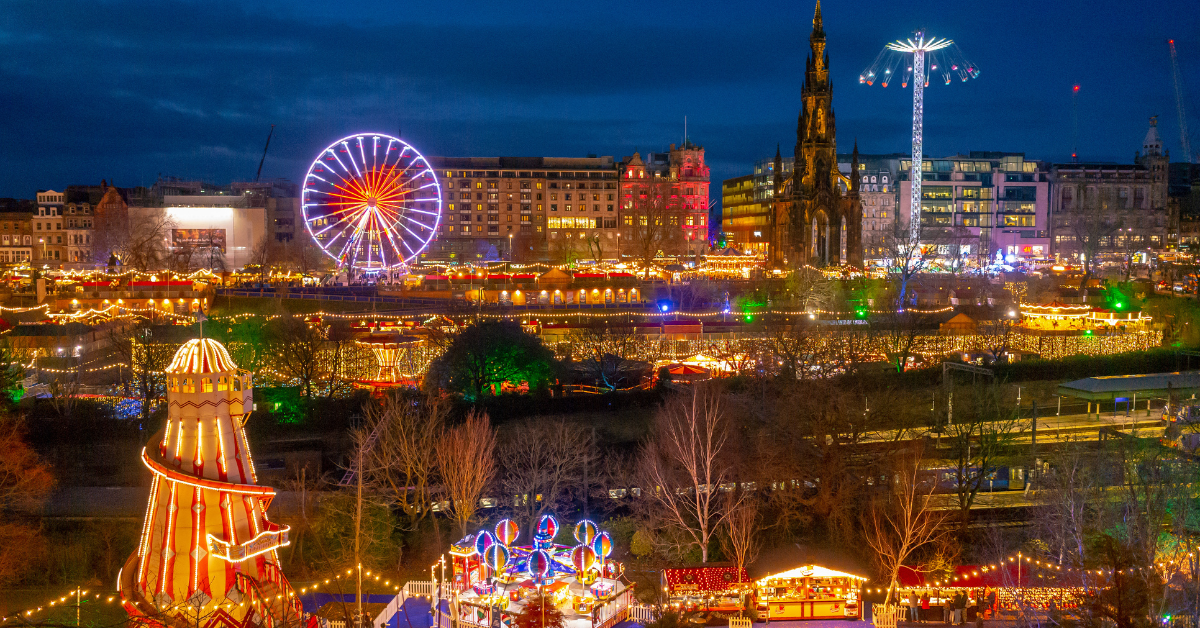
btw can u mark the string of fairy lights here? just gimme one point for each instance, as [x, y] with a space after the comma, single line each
[1047, 565]
[79, 595]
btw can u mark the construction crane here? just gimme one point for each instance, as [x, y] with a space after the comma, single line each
[1183, 130]
[258, 174]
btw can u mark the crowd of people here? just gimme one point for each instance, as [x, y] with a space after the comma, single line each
[954, 604]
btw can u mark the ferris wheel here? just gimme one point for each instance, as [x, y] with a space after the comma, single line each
[371, 202]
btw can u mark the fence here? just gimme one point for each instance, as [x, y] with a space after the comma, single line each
[613, 611]
[739, 622]
[643, 614]
[885, 616]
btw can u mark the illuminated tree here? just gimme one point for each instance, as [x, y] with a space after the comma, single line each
[487, 354]
[539, 612]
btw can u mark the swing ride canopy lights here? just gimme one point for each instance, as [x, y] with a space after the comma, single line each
[917, 58]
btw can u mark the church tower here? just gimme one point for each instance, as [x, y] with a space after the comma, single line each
[818, 222]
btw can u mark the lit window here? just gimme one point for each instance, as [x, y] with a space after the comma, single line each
[206, 385]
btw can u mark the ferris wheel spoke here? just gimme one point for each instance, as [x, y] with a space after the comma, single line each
[362, 153]
[338, 160]
[350, 158]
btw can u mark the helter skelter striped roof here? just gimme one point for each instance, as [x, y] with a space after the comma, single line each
[201, 355]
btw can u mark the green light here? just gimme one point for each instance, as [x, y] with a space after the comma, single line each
[1120, 305]
[749, 318]
[1087, 333]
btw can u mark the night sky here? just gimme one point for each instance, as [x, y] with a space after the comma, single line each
[126, 90]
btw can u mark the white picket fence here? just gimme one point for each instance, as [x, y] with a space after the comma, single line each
[643, 614]
[886, 616]
[739, 622]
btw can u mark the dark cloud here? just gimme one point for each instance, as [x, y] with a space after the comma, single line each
[128, 89]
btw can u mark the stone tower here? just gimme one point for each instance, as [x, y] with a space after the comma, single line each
[816, 221]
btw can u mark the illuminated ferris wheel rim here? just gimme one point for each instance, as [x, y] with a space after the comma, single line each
[373, 214]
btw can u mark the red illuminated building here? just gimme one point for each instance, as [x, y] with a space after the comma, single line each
[664, 202]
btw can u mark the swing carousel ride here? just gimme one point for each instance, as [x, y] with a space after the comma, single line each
[495, 577]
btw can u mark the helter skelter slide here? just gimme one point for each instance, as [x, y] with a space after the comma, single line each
[208, 556]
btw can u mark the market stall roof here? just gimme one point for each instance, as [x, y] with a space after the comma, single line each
[1110, 387]
[810, 571]
[707, 578]
[784, 558]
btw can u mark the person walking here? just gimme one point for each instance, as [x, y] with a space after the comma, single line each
[947, 607]
[914, 606]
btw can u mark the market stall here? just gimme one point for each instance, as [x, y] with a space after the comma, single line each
[709, 588]
[494, 577]
[992, 590]
[809, 592]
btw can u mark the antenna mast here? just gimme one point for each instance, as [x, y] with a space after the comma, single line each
[1183, 130]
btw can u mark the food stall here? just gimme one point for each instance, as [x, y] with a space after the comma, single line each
[709, 588]
[809, 592]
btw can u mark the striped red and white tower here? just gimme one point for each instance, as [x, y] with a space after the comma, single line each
[208, 556]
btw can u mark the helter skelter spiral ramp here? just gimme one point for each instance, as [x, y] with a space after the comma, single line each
[208, 556]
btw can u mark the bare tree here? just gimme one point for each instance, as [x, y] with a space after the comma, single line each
[544, 463]
[910, 255]
[997, 336]
[297, 349]
[147, 353]
[403, 461]
[607, 349]
[898, 524]
[655, 225]
[740, 539]
[465, 457]
[144, 245]
[1091, 221]
[979, 435]
[683, 467]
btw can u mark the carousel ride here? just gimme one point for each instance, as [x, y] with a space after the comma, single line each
[496, 577]
[393, 346]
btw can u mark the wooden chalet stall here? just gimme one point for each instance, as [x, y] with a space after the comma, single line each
[809, 592]
[709, 588]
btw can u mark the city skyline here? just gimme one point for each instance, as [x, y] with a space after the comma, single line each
[108, 92]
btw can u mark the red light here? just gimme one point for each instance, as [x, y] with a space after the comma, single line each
[1076, 88]
[1171, 41]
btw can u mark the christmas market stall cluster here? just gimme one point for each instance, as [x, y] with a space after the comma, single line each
[992, 590]
[494, 577]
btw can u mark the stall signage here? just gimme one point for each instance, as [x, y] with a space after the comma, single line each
[687, 587]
